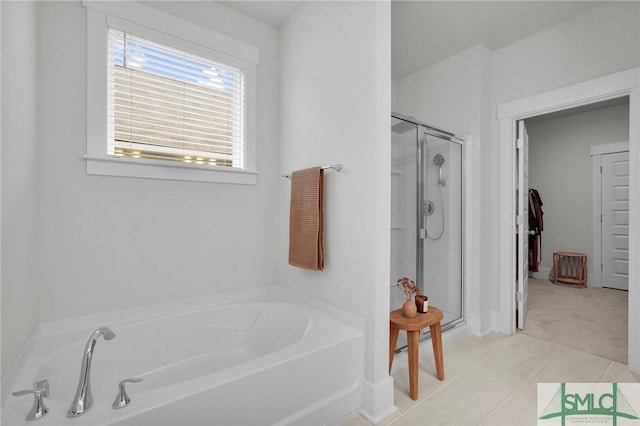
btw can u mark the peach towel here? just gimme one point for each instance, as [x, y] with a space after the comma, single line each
[306, 248]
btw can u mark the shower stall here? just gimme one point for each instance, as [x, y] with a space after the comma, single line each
[427, 235]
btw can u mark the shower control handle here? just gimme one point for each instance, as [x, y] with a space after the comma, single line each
[428, 208]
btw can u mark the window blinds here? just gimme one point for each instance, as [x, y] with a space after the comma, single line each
[167, 104]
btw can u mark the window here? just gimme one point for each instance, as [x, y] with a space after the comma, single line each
[169, 106]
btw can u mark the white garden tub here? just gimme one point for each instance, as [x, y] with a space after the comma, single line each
[269, 356]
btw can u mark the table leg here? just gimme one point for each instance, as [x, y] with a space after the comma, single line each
[413, 338]
[436, 341]
[393, 341]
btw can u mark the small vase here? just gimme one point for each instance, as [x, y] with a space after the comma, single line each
[409, 309]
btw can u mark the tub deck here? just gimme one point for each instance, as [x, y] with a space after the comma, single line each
[266, 356]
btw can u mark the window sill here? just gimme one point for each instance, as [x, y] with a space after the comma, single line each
[151, 169]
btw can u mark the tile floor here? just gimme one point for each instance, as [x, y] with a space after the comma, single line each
[493, 381]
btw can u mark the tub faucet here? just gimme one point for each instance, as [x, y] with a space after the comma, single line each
[83, 400]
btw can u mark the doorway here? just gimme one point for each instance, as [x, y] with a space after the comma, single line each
[616, 85]
[560, 174]
[566, 154]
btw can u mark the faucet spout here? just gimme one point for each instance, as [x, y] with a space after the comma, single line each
[83, 400]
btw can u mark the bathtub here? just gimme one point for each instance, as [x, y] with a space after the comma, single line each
[260, 357]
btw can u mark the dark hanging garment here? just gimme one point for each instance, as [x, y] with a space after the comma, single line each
[536, 224]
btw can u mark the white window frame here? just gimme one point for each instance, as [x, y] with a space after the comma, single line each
[163, 28]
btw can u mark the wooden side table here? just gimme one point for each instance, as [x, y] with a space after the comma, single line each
[413, 326]
[569, 267]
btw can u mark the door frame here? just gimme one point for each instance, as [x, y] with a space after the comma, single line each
[522, 228]
[597, 151]
[620, 84]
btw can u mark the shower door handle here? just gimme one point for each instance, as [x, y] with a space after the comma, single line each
[423, 234]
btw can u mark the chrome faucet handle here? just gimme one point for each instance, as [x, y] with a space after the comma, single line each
[40, 391]
[122, 399]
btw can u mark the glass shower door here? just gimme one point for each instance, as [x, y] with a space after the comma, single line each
[404, 227]
[440, 218]
[404, 189]
[426, 217]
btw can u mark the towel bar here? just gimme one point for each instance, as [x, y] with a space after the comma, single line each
[336, 167]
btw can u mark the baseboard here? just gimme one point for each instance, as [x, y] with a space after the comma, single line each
[501, 322]
[475, 323]
[377, 400]
[542, 274]
[592, 281]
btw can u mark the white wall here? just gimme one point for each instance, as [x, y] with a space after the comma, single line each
[20, 187]
[599, 42]
[336, 97]
[462, 93]
[454, 95]
[560, 168]
[109, 242]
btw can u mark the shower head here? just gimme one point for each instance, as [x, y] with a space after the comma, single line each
[403, 127]
[438, 160]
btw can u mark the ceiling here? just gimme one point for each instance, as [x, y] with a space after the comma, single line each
[426, 32]
[273, 13]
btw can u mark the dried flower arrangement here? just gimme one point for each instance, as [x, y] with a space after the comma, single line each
[408, 286]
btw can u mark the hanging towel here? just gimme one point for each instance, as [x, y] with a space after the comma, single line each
[306, 248]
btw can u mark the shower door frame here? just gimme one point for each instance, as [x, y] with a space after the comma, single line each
[422, 130]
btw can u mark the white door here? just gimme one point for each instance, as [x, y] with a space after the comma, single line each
[615, 220]
[522, 223]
